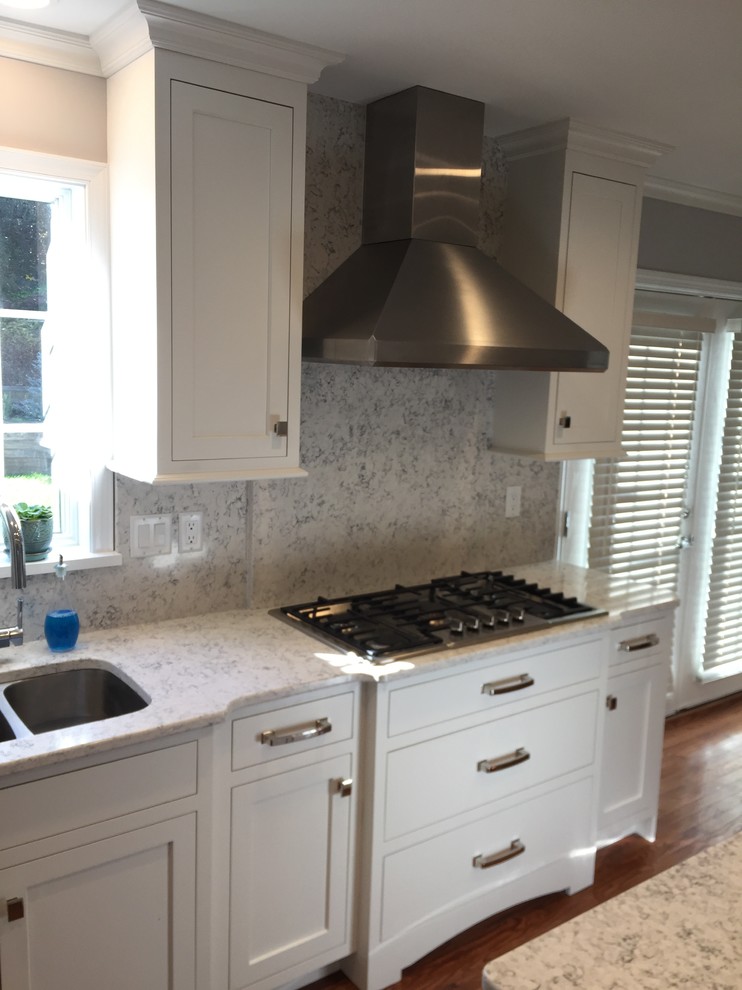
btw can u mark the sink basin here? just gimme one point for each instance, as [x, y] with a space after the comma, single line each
[70, 697]
[6, 733]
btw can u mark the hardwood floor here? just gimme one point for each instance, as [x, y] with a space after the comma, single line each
[700, 805]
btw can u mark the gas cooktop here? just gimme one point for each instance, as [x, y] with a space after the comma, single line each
[383, 626]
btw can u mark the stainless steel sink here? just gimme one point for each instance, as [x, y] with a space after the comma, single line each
[66, 698]
[6, 733]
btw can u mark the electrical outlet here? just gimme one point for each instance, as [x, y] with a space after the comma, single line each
[190, 531]
[512, 501]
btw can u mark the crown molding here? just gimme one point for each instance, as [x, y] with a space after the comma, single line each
[148, 24]
[569, 134]
[688, 195]
[44, 46]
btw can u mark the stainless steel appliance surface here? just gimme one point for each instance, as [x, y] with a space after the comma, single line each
[418, 292]
[448, 612]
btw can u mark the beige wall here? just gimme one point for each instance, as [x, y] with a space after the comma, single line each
[52, 111]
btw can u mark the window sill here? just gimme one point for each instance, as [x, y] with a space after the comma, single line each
[75, 558]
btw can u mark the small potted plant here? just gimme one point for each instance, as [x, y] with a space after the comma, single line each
[37, 526]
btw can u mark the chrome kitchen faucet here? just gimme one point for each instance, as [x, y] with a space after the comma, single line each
[17, 552]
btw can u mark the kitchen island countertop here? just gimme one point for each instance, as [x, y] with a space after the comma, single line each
[197, 670]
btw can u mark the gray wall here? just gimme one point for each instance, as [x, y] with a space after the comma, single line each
[688, 241]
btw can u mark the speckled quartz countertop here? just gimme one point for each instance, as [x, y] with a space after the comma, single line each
[197, 670]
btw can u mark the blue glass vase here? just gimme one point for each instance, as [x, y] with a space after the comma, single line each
[61, 628]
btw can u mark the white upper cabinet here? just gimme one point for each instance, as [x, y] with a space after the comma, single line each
[572, 219]
[206, 162]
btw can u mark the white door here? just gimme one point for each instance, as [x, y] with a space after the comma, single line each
[289, 869]
[117, 914]
[231, 165]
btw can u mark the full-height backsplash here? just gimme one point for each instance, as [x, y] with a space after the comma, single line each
[402, 485]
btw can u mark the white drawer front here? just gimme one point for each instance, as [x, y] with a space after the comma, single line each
[490, 687]
[424, 879]
[291, 729]
[442, 777]
[642, 641]
[95, 794]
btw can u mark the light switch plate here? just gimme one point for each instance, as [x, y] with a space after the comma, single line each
[150, 535]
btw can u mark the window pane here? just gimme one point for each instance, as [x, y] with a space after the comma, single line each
[640, 500]
[25, 235]
[723, 628]
[20, 356]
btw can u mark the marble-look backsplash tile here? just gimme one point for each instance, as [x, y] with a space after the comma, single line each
[401, 483]
[401, 487]
[146, 589]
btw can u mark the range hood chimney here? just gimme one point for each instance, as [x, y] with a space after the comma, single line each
[418, 292]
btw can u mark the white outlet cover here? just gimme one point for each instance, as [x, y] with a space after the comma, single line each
[150, 536]
[190, 532]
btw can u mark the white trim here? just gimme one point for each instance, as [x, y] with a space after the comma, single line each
[697, 196]
[45, 46]
[687, 285]
[97, 542]
[149, 24]
[576, 135]
[74, 558]
[160, 25]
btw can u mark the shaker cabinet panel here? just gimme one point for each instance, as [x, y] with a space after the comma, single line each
[290, 866]
[231, 258]
[632, 753]
[118, 913]
[206, 180]
[597, 296]
[571, 232]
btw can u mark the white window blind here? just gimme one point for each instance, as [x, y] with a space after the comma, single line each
[639, 501]
[723, 638]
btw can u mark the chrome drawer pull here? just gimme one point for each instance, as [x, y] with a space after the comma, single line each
[503, 762]
[508, 684]
[296, 733]
[515, 848]
[639, 643]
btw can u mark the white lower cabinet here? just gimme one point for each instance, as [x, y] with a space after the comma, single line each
[289, 827]
[98, 875]
[118, 913]
[482, 784]
[634, 729]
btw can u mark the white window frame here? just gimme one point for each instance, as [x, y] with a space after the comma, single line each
[96, 547]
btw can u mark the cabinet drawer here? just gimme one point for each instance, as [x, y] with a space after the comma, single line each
[95, 794]
[443, 777]
[489, 687]
[642, 641]
[422, 880]
[291, 729]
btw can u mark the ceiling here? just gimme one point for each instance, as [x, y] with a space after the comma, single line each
[665, 70]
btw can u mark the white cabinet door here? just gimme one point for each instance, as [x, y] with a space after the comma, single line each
[207, 175]
[632, 753]
[290, 870]
[571, 232]
[597, 282]
[115, 914]
[231, 173]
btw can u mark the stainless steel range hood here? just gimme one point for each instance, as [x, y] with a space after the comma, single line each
[418, 292]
